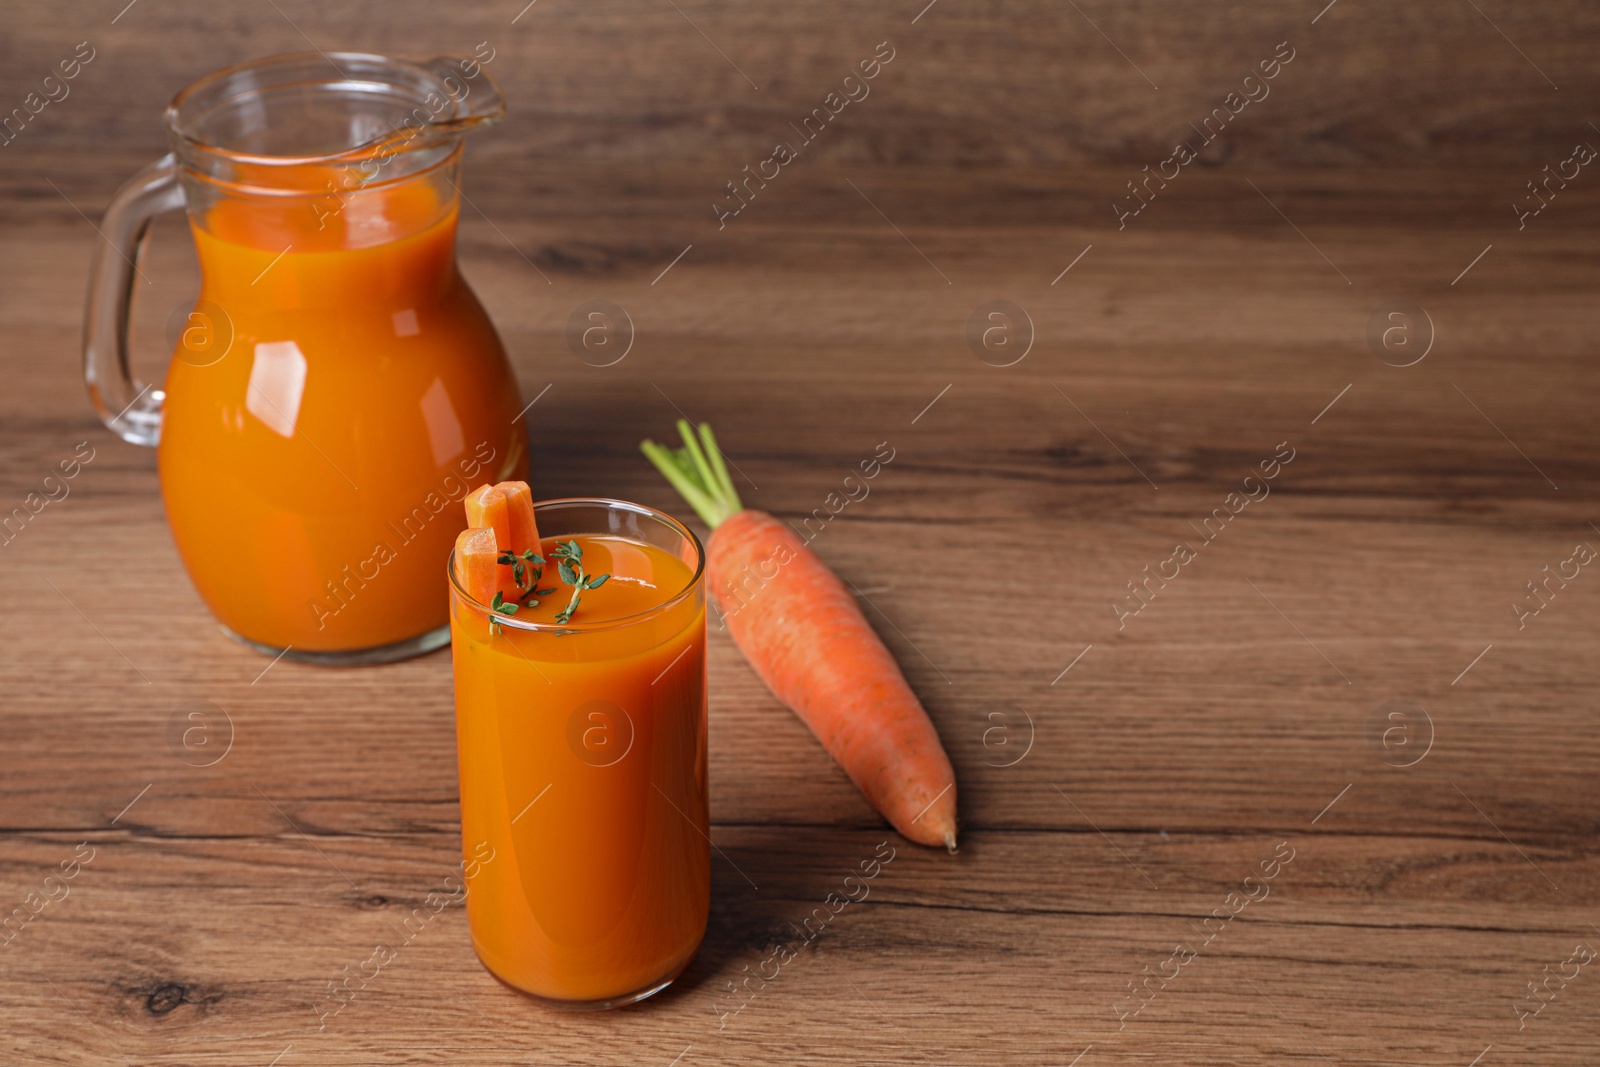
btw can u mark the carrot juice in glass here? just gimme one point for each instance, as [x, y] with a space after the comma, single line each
[582, 751]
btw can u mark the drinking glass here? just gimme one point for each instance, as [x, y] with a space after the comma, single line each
[582, 752]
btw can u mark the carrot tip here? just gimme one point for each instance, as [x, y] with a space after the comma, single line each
[950, 842]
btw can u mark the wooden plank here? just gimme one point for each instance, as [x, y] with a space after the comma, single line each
[1117, 782]
[267, 921]
[990, 84]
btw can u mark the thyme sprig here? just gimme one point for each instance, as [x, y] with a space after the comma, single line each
[527, 568]
[520, 564]
[503, 607]
[569, 561]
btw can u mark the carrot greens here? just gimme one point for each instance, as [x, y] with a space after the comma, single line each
[697, 472]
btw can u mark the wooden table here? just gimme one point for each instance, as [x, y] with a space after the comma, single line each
[1336, 689]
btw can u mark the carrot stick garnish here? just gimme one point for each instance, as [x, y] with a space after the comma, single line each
[506, 511]
[801, 630]
[476, 569]
[486, 507]
[522, 528]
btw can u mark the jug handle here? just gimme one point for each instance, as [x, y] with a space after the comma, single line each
[130, 409]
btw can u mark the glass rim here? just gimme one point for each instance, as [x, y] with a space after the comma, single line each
[454, 122]
[560, 503]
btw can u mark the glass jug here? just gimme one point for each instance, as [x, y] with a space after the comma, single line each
[337, 388]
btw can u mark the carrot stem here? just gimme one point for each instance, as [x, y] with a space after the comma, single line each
[665, 461]
[702, 466]
[729, 493]
[681, 459]
[698, 472]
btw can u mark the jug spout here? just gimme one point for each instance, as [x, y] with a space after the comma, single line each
[284, 123]
[466, 98]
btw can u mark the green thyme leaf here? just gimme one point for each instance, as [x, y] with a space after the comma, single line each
[569, 557]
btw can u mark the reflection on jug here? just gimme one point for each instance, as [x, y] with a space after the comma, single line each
[337, 387]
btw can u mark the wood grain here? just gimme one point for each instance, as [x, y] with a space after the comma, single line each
[1244, 706]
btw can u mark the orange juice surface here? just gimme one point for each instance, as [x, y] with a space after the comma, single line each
[338, 388]
[583, 767]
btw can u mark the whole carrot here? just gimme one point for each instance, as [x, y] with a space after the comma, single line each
[802, 631]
